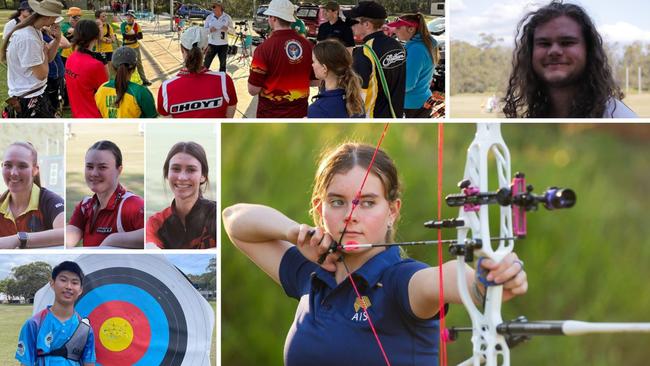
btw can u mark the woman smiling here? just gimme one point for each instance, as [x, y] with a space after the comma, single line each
[190, 221]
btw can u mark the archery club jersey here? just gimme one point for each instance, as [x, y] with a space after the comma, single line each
[281, 66]
[130, 39]
[166, 230]
[330, 327]
[47, 333]
[84, 74]
[206, 94]
[44, 206]
[392, 60]
[137, 102]
[123, 213]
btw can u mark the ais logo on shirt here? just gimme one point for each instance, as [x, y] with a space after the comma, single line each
[196, 105]
[359, 314]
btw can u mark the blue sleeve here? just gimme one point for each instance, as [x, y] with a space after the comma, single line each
[414, 64]
[89, 350]
[26, 351]
[401, 274]
[295, 273]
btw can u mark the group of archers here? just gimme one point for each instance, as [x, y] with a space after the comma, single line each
[31, 216]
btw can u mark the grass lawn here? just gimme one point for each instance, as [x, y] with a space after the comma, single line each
[125, 135]
[12, 318]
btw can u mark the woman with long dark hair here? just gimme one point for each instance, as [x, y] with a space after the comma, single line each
[120, 97]
[30, 216]
[85, 71]
[190, 222]
[421, 59]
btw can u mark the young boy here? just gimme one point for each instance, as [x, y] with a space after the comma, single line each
[58, 335]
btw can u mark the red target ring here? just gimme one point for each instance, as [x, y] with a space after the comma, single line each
[102, 319]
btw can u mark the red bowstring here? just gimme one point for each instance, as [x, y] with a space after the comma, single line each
[355, 203]
[441, 298]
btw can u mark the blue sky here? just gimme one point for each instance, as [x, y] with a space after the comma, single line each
[188, 263]
[623, 21]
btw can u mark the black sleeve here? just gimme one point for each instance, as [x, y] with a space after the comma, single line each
[51, 205]
[348, 37]
[362, 66]
[320, 36]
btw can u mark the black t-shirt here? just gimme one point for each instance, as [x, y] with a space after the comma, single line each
[339, 30]
[392, 60]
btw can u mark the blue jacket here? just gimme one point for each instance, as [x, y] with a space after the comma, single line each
[419, 72]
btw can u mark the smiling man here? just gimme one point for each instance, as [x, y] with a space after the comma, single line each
[560, 68]
[58, 335]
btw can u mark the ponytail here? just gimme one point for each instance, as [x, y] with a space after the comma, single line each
[427, 39]
[351, 82]
[193, 59]
[122, 77]
[24, 24]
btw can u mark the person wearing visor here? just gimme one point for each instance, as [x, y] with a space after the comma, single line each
[131, 33]
[382, 101]
[281, 71]
[196, 92]
[28, 57]
[421, 58]
[23, 12]
[120, 97]
[57, 335]
[335, 27]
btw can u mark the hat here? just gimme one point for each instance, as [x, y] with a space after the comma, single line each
[74, 12]
[124, 56]
[48, 8]
[366, 9]
[282, 9]
[130, 13]
[399, 22]
[194, 36]
[24, 5]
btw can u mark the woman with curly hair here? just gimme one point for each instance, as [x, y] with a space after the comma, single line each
[560, 68]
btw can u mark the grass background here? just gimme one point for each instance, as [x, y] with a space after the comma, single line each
[587, 263]
[160, 138]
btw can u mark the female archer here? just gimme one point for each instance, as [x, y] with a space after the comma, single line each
[356, 295]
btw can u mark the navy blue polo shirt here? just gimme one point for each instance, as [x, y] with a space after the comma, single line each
[329, 104]
[330, 327]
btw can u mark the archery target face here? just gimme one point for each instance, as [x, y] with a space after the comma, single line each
[143, 311]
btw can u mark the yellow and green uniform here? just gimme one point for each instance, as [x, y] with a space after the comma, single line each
[66, 52]
[105, 32]
[130, 40]
[137, 102]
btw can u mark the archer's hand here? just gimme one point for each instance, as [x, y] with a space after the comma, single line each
[313, 242]
[509, 272]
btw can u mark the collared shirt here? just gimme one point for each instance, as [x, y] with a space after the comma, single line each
[166, 230]
[281, 66]
[84, 74]
[330, 104]
[123, 213]
[130, 34]
[338, 30]
[330, 327]
[47, 334]
[392, 60]
[44, 206]
[220, 36]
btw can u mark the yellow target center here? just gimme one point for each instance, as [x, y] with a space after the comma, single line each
[116, 334]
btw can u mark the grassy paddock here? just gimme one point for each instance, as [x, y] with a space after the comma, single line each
[125, 135]
[470, 105]
[12, 318]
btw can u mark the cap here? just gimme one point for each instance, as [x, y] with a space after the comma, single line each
[282, 9]
[24, 5]
[399, 22]
[366, 9]
[124, 56]
[194, 36]
[74, 12]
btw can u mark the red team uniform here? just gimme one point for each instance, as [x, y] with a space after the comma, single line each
[204, 95]
[124, 212]
[166, 230]
[84, 74]
[281, 66]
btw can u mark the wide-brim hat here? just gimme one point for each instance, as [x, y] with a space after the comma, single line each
[48, 8]
[282, 9]
[194, 36]
[74, 12]
[130, 13]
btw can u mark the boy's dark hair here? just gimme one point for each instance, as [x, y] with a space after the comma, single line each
[70, 267]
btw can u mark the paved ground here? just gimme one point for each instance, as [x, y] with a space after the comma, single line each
[162, 59]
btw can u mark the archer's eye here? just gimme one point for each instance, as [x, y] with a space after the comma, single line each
[336, 203]
[368, 203]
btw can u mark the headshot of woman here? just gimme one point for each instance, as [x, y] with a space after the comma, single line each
[190, 221]
[113, 216]
[402, 293]
[30, 215]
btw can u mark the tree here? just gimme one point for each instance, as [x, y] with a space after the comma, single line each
[29, 278]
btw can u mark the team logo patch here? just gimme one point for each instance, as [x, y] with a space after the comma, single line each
[196, 105]
[48, 339]
[20, 350]
[393, 59]
[358, 306]
[294, 51]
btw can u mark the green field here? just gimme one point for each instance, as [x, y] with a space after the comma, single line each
[125, 135]
[160, 138]
[471, 105]
[12, 318]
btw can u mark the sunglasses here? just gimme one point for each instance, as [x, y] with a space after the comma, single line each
[76, 17]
